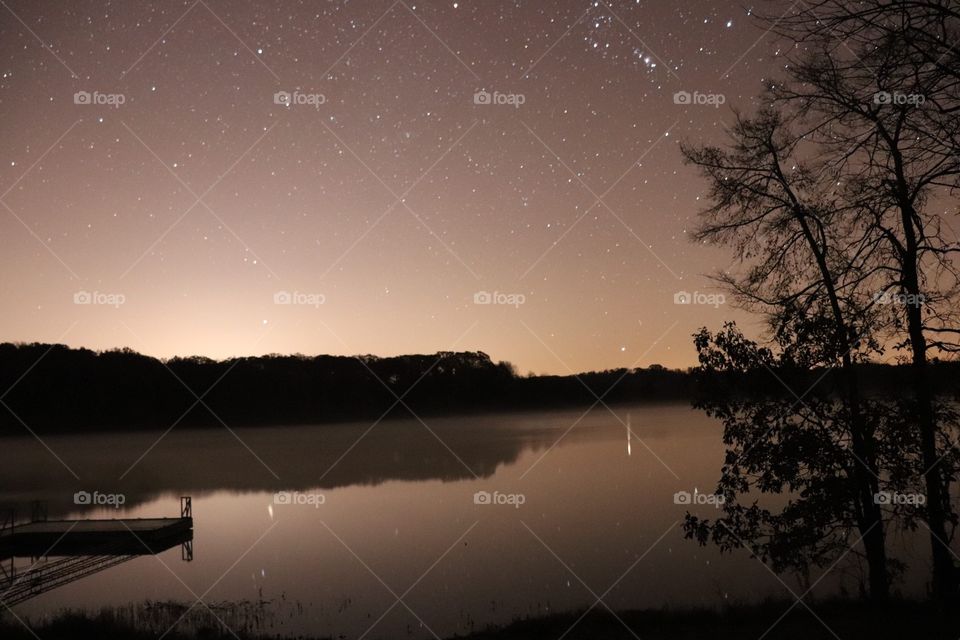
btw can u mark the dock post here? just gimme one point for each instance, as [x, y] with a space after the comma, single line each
[186, 507]
[9, 520]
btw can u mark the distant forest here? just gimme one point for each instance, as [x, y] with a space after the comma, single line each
[54, 388]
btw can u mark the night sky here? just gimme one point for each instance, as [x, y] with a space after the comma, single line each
[174, 210]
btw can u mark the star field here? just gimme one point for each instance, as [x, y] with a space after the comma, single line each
[382, 183]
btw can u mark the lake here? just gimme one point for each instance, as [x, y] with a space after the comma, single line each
[404, 528]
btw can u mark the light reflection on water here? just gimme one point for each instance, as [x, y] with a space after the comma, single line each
[394, 537]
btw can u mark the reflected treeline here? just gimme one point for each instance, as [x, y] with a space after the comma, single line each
[194, 462]
[58, 389]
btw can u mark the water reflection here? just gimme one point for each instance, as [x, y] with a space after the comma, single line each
[399, 517]
[144, 466]
[629, 451]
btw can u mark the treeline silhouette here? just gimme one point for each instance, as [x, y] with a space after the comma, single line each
[54, 388]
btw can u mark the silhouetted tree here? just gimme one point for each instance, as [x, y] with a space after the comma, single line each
[802, 260]
[874, 85]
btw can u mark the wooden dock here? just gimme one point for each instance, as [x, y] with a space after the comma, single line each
[63, 551]
[136, 536]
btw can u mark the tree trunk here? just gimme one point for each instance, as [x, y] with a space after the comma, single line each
[865, 478]
[937, 503]
[943, 569]
[871, 518]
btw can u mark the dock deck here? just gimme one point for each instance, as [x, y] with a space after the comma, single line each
[133, 536]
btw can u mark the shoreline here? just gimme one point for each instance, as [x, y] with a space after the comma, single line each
[775, 619]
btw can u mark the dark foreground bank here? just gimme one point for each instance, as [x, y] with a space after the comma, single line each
[783, 620]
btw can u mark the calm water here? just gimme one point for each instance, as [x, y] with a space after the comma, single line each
[398, 519]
